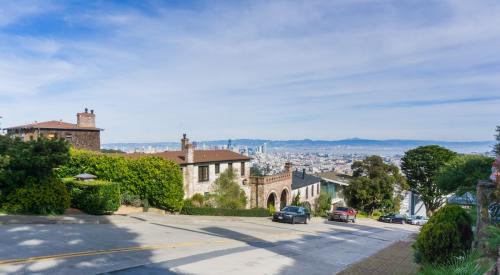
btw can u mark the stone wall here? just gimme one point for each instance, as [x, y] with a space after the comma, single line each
[267, 188]
[80, 139]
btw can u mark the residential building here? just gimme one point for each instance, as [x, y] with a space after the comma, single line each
[82, 135]
[333, 184]
[200, 168]
[308, 186]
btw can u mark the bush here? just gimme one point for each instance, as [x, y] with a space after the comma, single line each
[131, 199]
[95, 197]
[322, 205]
[154, 179]
[467, 264]
[47, 197]
[198, 200]
[227, 192]
[448, 234]
[206, 211]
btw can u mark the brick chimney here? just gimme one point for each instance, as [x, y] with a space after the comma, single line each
[288, 167]
[86, 119]
[184, 142]
[189, 153]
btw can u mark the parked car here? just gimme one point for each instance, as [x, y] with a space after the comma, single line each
[344, 214]
[292, 214]
[494, 213]
[393, 218]
[417, 220]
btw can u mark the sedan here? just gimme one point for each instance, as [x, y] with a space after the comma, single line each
[417, 220]
[393, 218]
[292, 214]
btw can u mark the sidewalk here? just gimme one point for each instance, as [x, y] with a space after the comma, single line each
[396, 259]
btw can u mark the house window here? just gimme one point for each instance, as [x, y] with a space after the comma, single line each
[318, 188]
[202, 173]
[312, 190]
[307, 192]
[69, 137]
[217, 168]
[242, 168]
[230, 166]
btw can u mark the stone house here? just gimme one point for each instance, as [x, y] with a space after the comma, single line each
[200, 168]
[82, 135]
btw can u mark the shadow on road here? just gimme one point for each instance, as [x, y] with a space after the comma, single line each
[296, 249]
[44, 248]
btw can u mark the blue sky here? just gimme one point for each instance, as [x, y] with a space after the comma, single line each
[153, 70]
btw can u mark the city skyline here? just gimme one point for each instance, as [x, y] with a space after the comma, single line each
[277, 70]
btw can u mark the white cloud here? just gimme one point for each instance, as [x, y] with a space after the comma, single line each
[263, 69]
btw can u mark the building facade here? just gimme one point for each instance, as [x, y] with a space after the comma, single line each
[273, 190]
[82, 135]
[334, 184]
[307, 186]
[200, 168]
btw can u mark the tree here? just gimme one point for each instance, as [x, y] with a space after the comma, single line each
[227, 191]
[322, 204]
[461, 174]
[256, 172]
[23, 163]
[296, 200]
[27, 180]
[374, 185]
[420, 165]
[496, 147]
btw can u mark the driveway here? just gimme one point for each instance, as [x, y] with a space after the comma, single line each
[154, 244]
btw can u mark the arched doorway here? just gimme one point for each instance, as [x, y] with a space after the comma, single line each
[284, 198]
[271, 200]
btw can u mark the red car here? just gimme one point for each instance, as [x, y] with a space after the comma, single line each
[344, 214]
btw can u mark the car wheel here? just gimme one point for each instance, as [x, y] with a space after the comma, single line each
[293, 221]
[354, 220]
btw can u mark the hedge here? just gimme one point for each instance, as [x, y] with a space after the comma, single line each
[446, 235]
[48, 196]
[154, 179]
[206, 211]
[94, 197]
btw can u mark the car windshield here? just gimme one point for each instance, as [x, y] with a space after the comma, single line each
[342, 209]
[291, 209]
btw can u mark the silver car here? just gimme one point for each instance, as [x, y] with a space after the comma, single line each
[419, 220]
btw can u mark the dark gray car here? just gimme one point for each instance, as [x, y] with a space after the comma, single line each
[292, 214]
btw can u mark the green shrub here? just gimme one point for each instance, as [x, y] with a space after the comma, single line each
[130, 199]
[463, 265]
[95, 197]
[492, 239]
[154, 179]
[448, 234]
[206, 211]
[198, 200]
[322, 205]
[46, 197]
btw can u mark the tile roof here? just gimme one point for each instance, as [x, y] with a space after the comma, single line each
[200, 156]
[53, 124]
[298, 181]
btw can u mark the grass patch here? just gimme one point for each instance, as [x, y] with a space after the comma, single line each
[471, 263]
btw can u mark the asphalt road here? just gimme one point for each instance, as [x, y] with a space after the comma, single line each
[153, 244]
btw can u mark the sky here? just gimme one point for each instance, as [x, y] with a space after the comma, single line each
[153, 70]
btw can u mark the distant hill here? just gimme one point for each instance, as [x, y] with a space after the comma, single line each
[400, 144]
